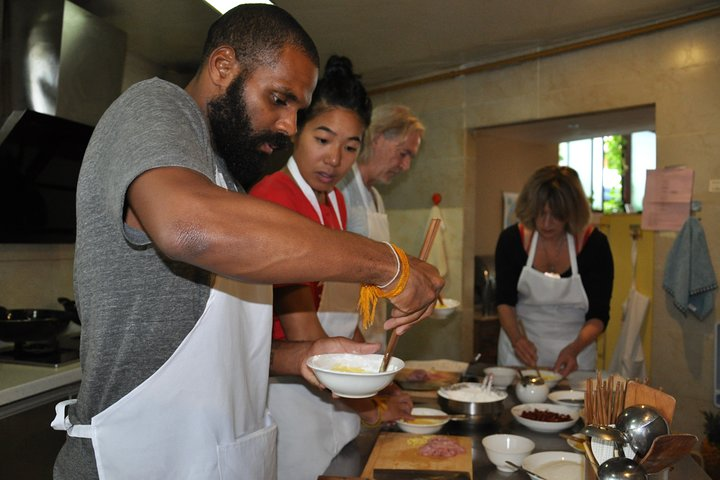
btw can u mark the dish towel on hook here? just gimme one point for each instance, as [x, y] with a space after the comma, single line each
[689, 275]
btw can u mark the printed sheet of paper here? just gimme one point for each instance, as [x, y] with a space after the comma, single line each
[668, 194]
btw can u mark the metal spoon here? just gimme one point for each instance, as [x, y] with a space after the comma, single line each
[539, 477]
[611, 434]
[526, 380]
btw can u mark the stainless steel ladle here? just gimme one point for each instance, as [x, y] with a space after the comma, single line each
[610, 434]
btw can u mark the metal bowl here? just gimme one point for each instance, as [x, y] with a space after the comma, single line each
[641, 424]
[479, 412]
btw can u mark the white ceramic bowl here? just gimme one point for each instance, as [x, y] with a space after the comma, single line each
[556, 465]
[351, 375]
[502, 447]
[532, 393]
[444, 311]
[568, 398]
[551, 378]
[423, 426]
[541, 426]
[502, 376]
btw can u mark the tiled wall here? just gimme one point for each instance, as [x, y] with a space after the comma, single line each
[677, 70]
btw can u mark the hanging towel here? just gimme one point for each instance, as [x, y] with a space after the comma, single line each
[689, 275]
[438, 254]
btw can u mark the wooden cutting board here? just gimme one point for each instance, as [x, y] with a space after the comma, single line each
[394, 450]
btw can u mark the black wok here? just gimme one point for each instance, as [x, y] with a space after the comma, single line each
[32, 325]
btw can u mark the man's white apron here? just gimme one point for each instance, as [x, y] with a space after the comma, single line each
[312, 426]
[552, 312]
[202, 414]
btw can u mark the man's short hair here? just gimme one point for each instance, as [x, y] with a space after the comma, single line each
[258, 33]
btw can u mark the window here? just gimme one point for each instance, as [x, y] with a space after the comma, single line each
[612, 168]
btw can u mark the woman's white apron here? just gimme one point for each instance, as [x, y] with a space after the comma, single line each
[552, 312]
[313, 427]
[202, 414]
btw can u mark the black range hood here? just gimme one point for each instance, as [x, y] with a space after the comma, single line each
[60, 68]
[40, 158]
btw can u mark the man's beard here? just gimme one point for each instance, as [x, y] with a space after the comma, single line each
[234, 138]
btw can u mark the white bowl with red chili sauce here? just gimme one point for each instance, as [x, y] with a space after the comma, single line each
[545, 417]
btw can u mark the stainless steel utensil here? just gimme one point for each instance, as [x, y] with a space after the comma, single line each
[641, 425]
[477, 412]
[621, 468]
[610, 434]
[458, 417]
[514, 465]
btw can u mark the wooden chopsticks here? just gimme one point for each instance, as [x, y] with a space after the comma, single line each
[604, 400]
[424, 252]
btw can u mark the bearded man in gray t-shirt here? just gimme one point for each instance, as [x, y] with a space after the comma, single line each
[175, 348]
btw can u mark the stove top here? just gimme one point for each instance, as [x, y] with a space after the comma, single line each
[64, 351]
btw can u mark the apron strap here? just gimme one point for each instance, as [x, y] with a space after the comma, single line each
[571, 252]
[310, 195]
[533, 248]
[62, 422]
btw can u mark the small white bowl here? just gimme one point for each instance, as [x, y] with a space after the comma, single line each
[351, 375]
[502, 376]
[423, 426]
[503, 447]
[551, 378]
[444, 311]
[569, 398]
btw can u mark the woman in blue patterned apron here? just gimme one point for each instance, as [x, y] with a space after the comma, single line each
[554, 277]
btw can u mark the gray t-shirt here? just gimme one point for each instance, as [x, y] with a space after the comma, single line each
[136, 305]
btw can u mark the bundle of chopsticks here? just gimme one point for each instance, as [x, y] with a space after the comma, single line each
[604, 399]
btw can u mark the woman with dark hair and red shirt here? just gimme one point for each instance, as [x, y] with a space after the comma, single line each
[554, 276]
[312, 426]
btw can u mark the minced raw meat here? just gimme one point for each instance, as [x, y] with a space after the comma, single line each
[441, 447]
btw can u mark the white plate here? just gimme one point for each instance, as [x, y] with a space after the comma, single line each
[545, 427]
[556, 465]
[568, 398]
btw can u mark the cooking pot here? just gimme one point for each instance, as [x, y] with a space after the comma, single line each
[32, 325]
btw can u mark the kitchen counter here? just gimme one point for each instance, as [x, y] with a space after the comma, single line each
[351, 461]
[20, 382]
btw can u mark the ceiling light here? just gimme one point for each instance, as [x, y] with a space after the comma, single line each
[223, 6]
